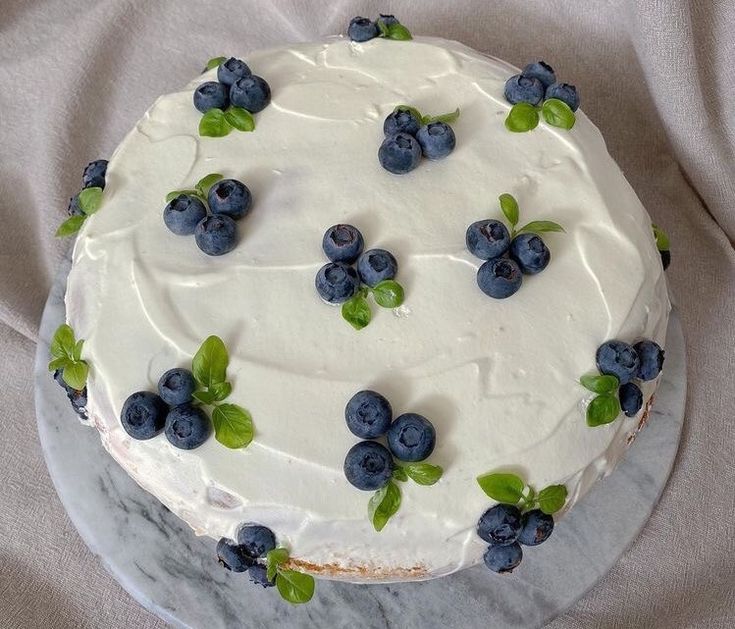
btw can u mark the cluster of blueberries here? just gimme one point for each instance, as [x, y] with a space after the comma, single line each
[254, 541]
[505, 528]
[642, 361]
[215, 234]
[93, 177]
[407, 138]
[145, 414]
[338, 280]
[78, 398]
[363, 29]
[411, 437]
[236, 85]
[537, 82]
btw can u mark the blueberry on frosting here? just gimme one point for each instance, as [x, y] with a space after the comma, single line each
[631, 399]
[176, 386]
[232, 556]
[524, 89]
[211, 95]
[336, 282]
[256, 539]
[216, 235]
[368, 414]
[651, 358]
[536, 527]
[487, 239]
[230, 197]
[362, 29]
[342, 243]
[183, 213]
[399, 153]
[187, 427]
[74, 209]
[499, 278]
[229, 71]
[503, 558]
[143, 415]
[500, 525]
[259, 575]
[530, 252]
[368, 465]
[250, 92]
[401, 121]
[541, 71]
[617, 358]
[94, 174]
[564, 92]
[436, 139]
[411, 437]
[376, 265]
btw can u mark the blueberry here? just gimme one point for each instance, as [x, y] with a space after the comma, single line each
[401, 121]
[233, 556]
[536, 527]
[399, 153]
[564, 92]
[211, 95]
[183, 213]
[389, 20]
[651, 358]
[230, 197]
[216, 235]
[143, 415]
[259, 575]
[336, 282]
[499, 278]
[376, 265]
[368, 414]
[231, 70]
[251, 92]
[78, 398]
[187, 427]
[617, 358]
[94, 174]
[74, 209]
[487, 239]
[436, 140]
[631, 399]
[256, 539]
[665, 258]
[524, 89]
[368, 465]
[500, 525]
[342, 243]
[362, 29]
[530, 252]
[541, 71]
[411, 437]
[176, 386]
[503, 558]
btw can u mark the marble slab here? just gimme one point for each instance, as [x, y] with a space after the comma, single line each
[174, 574]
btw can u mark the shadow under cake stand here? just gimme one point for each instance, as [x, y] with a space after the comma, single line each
[175, 575]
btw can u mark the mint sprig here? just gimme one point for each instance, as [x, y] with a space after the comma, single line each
[383, 505]
[356, 310]
[217, 123]
[448, 118]
[662, 239]
[512, 489]
[233, 425]
[509, 207]
[605, 407]
[600, 384]
[200, 189]
[394, 31]
[524, 117]
[293, 586]
[66, 354]
[89, 200]
[558, 114]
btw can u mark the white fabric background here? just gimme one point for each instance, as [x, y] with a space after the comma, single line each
[657, 77]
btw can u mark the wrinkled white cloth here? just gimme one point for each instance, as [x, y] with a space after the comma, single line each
[656, 76]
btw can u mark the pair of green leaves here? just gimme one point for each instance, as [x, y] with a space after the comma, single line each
[66, 354]
[395, 31]
[233, 425]
[525, 117]
[293, 586]
[89, 200]
[356, 311]
[662, 239]
[448, 118]
[217, 123]
[605, 407]
[509, 206]
[385, 502]
[511, 489]
[200, 189]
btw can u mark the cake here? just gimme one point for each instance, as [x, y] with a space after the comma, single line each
[499, 379]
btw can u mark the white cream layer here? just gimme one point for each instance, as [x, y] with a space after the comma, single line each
[497, 378]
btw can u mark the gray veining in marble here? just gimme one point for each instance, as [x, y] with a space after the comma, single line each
[174, 574]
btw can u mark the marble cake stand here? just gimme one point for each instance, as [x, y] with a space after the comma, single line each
[174, 574]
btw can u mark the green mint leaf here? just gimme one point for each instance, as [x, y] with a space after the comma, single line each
[449, 118]
[214, 124]
[398, 32]
[206, 182]
[356, 312]
[602, 410]
[600, 384]
[215, 62]
[382, 28]
[539, 227]
[521, 117]
[233, 425]
[77, 354]
[58, 363]
[412, 110]
[273, 559]
[509, 205]
[506, 488]
[75, 375]
[190, 193]
[399, 474]
[383, 505]
[63, 342]
[209, 364]
[557, 113]
[221, 390]
[205, 397]
[424, 473]
[90, 200]
[552, 498]
[295, 587]
[662, 240]
[70, 226]
[388, 294]
[239, 118]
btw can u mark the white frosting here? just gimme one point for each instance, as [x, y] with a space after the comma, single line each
[497, 378]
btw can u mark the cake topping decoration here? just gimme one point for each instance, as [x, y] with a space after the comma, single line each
[66, 355]
[362, 29]
[293, 586]
[77, 397]
[213, 63]
[86, 203]
[663, 245]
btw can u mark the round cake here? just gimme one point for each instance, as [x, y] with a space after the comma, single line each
[499, 379]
